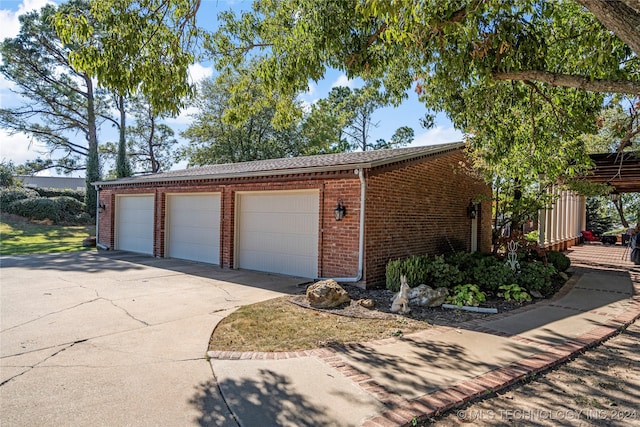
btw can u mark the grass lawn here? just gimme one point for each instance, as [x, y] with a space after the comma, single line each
[278, 325]
[20, 236]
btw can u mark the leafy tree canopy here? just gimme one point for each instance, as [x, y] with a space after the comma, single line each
[216, 139]
[523, 79]
[133, 46]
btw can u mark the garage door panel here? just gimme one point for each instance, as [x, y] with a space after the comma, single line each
[280, 243]
[193, 227]
[135, 216]
[278, 232]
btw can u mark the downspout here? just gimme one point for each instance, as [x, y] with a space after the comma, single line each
[98, 244]
[97, 214]
[363, 194]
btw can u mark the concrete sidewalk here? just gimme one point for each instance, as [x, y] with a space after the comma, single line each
[392, 381]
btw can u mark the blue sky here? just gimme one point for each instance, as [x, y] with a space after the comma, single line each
[18, 148]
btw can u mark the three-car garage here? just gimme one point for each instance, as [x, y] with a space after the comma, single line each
[275, 231]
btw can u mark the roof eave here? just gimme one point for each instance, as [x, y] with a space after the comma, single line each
[276, 172]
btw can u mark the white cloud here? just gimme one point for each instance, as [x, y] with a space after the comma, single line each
[311, 91]
[184, 118]
[343, 80]
[437, 135]
[19, 148]
[10, 24]
[199, 72]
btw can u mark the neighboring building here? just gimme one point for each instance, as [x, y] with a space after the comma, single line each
[57, 182]
[279, 215]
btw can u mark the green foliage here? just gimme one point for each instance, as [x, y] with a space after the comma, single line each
[515, 292]
[489, 273]
[414, 268]
[7, 172]
[560, 261]
[432, 271]
[132, 46]
[467, 295]
[54, 192]
[535, 276]
[525, 80]
[599, 217]
[60, 209]
[215, 138]
[10, 195]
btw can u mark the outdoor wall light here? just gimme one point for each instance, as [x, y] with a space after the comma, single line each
[472, 212]
[339, 212]
[101, 207]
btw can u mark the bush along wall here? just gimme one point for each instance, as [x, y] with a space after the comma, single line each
[488, 272]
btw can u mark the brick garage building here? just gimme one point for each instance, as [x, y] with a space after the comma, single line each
[279, 215]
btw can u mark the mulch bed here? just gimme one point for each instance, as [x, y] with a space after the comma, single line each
[383, 298]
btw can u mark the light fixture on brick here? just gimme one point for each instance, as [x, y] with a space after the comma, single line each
[101, 207]
[340, 211]
[471, 210]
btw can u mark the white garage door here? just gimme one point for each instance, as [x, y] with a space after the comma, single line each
[134, 223]
[278, 232]
[193, 227]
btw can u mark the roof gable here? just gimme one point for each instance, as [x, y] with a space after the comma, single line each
[293, 165]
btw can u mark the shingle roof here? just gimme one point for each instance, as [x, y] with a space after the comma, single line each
[293, 165]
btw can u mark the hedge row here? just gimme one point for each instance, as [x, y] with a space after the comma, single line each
[486, 271]
[29, 204]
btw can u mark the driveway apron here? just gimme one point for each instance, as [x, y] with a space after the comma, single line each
[116, 339]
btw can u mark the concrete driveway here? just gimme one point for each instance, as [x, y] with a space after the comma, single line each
[113, 338]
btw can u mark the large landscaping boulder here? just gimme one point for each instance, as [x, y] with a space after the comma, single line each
[426, 296]
[326, 294]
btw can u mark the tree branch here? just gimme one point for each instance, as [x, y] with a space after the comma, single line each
[622, 17]
[573, 81]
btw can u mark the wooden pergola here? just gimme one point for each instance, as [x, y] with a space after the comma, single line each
[620, 170]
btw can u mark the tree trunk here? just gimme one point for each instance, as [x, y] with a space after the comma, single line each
[155, 165]
[568, 80]
[123, 169]
[93, 164]
[622, 17]
[618, 204]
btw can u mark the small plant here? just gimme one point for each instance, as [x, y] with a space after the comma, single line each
[559, 260]
[515, 293]
[468, 294]
[535, 276]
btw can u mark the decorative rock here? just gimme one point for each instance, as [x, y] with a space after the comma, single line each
[400, 303]
[326, 294]
[89, 242]
[367, 303]
[426, 296]
[536, 294]
[563, 276]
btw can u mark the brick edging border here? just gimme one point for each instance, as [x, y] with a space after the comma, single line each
[439, 402]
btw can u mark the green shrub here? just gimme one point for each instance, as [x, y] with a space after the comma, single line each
[559, 260]
[10, 195]
[442, 274]
[414, 268]
[490, 273]
[58, 209]
[515, 293]
[54, 192]
[469, 295]
[535, 276]
[432, 271]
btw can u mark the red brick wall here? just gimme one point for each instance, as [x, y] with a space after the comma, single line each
[338, 240]
[418, 209]
[410, 208]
